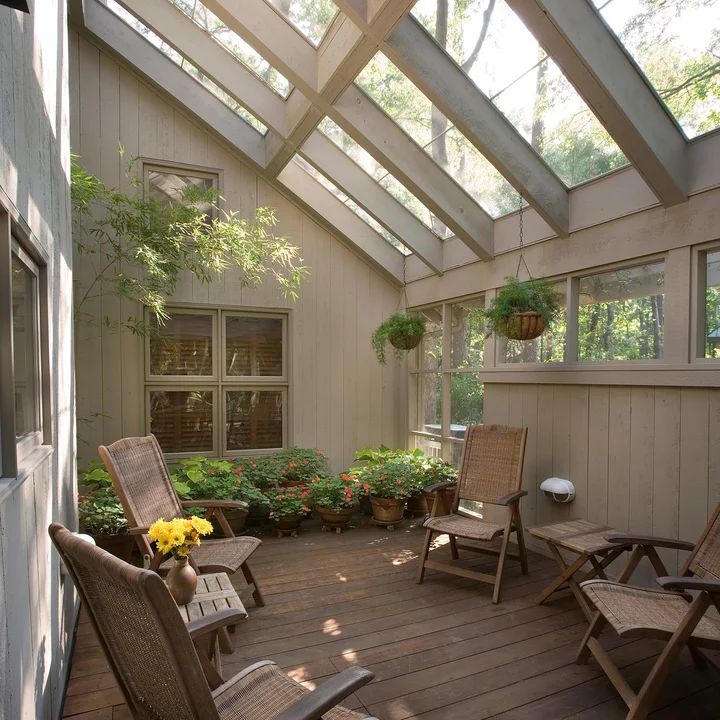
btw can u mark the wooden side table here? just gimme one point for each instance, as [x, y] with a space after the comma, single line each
[214, 592]
[587, 541]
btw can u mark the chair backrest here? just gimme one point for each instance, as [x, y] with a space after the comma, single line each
[704, 561]
[141, 631]
[141, 480]
[492, 463]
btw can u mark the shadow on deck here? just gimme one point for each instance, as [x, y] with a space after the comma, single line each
[440, 651]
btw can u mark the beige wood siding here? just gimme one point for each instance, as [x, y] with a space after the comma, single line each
[340, 398]
[641, 458]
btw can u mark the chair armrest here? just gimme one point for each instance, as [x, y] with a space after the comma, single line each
[689, 583]
[227, 504]
[325, 697]
[440, 486]
[220, 619]
[138, 530]
[510, 497]
[631, 539]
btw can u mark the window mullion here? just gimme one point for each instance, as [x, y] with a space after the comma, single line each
[572, 303]
[446, 379]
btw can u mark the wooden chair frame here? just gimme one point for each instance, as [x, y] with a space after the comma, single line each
[512, 524]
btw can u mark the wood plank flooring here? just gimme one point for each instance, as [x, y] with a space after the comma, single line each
[440, 651]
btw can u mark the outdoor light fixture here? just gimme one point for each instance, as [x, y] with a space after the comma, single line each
[558, 489]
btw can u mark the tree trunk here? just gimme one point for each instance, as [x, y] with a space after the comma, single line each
[537, 138]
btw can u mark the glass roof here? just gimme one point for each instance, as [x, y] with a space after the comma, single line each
[676, 43]
[351, 204]
[384, 178]
[234, 44]
[504, 60]
[311, 17]
[412, 110]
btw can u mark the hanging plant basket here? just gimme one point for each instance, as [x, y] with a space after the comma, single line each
[526, 325]
[405, 342]
[403, 331]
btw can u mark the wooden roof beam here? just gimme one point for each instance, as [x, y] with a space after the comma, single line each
[594, 61]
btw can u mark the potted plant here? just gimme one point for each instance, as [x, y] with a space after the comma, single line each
[390, 483]
[100, 513]
[263, 473]
[522, 310]
[300, 465]
[335, 497]
[401, 330]
[288, 508]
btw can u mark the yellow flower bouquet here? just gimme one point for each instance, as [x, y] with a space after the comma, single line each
[180, 535]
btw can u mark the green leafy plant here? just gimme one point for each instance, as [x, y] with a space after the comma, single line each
[393, 478]
[517, 296]
[263, 471]
[99, 508]
[337, 492]
[400, 330]
[283, 502]
[301, 464]
[138, 245]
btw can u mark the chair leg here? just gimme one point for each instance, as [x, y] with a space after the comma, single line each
[423, 556]
[250, 579]
[453, 547]
[522, 550]
[597, 623]
[501, 557]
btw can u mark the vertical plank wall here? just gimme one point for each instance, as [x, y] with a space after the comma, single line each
[341, 399]
[645, 459]
[38, 604]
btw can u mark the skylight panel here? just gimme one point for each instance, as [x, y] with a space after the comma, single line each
[677, 45]
[504, 60]
[413, 111]
[384, 178]
[311, 17]
[351, 204]
[187, 66]
[234, 44]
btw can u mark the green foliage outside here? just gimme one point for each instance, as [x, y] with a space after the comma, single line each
[712, 322]
[398, 325]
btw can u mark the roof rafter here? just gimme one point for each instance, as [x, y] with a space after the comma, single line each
[414, 51]
[121, 39]
[594, 61]
[193, 42]
[359, 116]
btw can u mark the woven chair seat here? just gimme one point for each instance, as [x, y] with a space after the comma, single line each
[634, 611]
[264, 692]
[464, 527]
[224, 555]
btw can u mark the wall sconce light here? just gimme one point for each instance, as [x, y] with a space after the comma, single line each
[558, 489]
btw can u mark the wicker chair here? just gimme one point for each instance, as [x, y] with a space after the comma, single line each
[671, 614]
[153, 656]
[491, 473]
[142, 482]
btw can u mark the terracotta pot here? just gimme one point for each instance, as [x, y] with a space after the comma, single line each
[523, 326]
[121, 545]
[405, 342]
[387, 511]
[288, 524]
[420, 504]
[236, 519]
[181, 581]
[291, 483]
[257, 514]
[335, 519]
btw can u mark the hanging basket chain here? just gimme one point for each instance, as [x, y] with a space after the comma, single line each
[403, 294]
[521, 259]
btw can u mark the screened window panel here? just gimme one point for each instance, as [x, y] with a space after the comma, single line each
[182, 420]
[430, 401]
[253, 346]
[468, 333]
[509, 67]
[620, 316]
[549, 347]
[676, 43]
[25, 332]
[430, 446]
[712, 304]
[254, 419]
[431, 343]
[467, 394]
[183, 346]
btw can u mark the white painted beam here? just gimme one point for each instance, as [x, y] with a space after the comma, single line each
[414, 51]
[323, 204]
[576, 37]
[329, 159]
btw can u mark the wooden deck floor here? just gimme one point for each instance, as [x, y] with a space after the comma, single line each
[440, 651]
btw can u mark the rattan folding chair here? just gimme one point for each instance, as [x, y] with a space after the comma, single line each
[142, 482]
[670, 614]
[154, 659]
[490, 473]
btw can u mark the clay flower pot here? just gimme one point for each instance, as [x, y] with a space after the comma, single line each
[236, 519]
[419, 505]
[182, 581]
[387, 511]
[337, 520]
[121, 545]
[288, 525]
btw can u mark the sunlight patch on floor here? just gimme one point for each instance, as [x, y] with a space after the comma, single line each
[332, 627]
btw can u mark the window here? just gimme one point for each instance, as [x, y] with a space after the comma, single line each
[448, 392]
[712, 305]
[182, 185]
[549, 347]
[620, 314]
[216, 381]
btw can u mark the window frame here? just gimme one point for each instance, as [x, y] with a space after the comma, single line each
[697, 303]
[220, 382]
